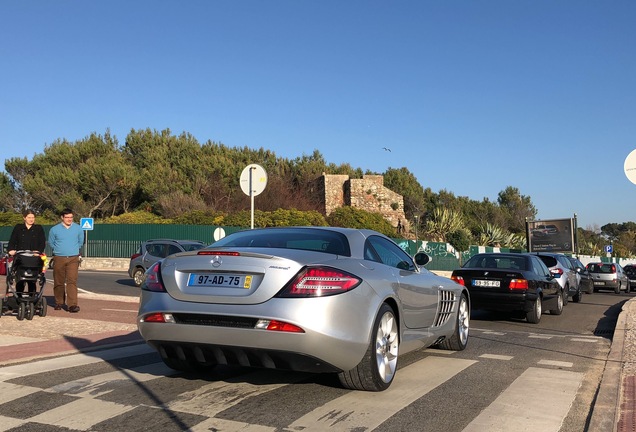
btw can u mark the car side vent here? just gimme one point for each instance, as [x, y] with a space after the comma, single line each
[446, 300]
[214, 320]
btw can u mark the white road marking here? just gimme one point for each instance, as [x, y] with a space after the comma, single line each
[511, 412]
[367, 410]
[496, 357]
[555, 363]
[21, 370]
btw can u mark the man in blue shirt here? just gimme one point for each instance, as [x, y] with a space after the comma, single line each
[66, 240]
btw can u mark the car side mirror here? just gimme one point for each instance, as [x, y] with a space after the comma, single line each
[422, 258]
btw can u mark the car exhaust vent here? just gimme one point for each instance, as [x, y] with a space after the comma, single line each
[202, 355]
[446, 300]
[214, 320]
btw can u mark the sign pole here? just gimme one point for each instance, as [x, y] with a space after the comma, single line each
[253, 180]
[252, 195]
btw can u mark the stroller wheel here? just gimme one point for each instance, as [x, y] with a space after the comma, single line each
[30, 311]
[42, 307]
[21, 311]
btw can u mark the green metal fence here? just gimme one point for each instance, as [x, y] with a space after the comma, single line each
[122, 240]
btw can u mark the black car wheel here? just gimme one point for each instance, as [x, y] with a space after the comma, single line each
[533, 316]
[576, 298]
[459, 340]
[376, 370]
[566, 295]
[559, 308]
[617, 289]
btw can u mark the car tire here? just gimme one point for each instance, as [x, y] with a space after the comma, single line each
[533, 316]
[559, 309]
[629, 287]
[566, 295]
[617, 289]
[576, 298]
[378, 366]
[139, 275]
[590, 290]
[459, 340]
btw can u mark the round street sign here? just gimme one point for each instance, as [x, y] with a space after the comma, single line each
[630, 166]
[219, 233]
[253, 176]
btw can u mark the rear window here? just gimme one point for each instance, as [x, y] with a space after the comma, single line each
[601, 268]
[496, 262]
[303, 239]
[548, 260]
[192, 246]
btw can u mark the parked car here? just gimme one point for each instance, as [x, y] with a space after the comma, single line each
[586, 284]
[314, 299]
[511, 282]
[549, 229]
[630, 271]
[561, 267]
[151, 251]
[609, 276]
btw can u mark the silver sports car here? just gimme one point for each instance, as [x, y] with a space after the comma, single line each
[315, 299]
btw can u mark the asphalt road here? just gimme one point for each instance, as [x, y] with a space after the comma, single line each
[512, 376]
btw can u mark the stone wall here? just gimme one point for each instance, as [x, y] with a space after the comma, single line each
[367, 193]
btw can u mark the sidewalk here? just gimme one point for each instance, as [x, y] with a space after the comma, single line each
[615, 406]
[102, 321]
[107, 321]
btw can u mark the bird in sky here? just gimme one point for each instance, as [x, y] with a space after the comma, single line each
[387, 149]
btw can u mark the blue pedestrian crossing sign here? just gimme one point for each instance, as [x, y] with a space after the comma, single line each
[86, 223]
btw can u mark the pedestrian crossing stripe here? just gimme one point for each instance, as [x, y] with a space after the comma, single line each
[203, 407]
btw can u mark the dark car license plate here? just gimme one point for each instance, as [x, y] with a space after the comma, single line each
[486, 283]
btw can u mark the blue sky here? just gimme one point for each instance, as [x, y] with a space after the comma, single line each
[470, 96]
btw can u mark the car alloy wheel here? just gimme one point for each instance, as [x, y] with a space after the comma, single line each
[376, 370]
[459, 340]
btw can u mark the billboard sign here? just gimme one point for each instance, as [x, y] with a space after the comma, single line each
[554, 235]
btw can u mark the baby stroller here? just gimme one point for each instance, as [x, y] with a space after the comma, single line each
[26, 267]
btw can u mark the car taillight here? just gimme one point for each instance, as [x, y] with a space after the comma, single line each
[518, 284]
[319, 282]
[153, 281]
[212, 252]
[557, 272]
[613, 268]
[458, 279]
[280, 326]
[135, 255]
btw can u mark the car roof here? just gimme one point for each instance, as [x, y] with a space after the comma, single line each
[174, 240]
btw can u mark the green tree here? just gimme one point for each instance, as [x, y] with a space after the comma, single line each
[350, 217]
[403, 182]
[516, 208]
[442, 222]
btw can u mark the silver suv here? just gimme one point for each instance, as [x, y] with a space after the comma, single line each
[564, 272]
[609, 276]
[151, 251]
